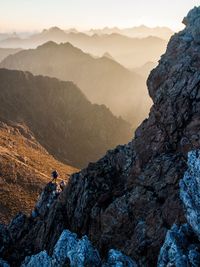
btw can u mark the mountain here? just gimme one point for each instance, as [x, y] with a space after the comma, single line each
[107, 55]
[60, 116]
[141, 31]
[145, 69]
[4, 52]
[132, 197]
[130, 52]
[4, 36]
[102, 80]
[25, 168]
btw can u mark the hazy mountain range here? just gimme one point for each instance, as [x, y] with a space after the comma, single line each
[141, 31]
[131, 52]
[102, 80]
[145, 69]
[60, 116]
[4, 52]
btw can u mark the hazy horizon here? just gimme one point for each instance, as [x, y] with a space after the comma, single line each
[34, 15]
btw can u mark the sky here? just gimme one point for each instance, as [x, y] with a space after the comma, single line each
[30, 15]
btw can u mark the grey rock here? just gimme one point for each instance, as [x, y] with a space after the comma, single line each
[179, 248]
[79, 252]
[192, 23]
[68, 250]
[190, 191]
[118, 259]
[42, 259]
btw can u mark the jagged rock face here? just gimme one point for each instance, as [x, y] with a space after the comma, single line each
[74, 252]
[118, 259]
[68, 252]
[181, 248]
[130, 198]
[190, 191]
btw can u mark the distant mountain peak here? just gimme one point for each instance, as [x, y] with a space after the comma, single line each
[54, 29]
[108, 55]
[49, 44]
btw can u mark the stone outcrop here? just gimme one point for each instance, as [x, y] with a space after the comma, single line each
[68, 251]
[129, 199]
[118, 259]
[182, 244]
[181, 248]
[190, 191]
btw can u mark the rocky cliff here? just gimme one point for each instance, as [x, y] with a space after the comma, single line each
[130, 198]
[60, 116]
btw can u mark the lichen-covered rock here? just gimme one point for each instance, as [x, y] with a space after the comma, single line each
[118, 259]
[190, 191]
[42, 259]
[66, 243]
[68, 251]
[84, 255]
[182, 244]
[180, 249]
[79, 253]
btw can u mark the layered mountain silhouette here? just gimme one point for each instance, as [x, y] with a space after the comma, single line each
[25, 168]
[145, 69]
[60, 116]
[4, 52]
[130, 52]
[132, 197]
[102, 80]
[141, 31]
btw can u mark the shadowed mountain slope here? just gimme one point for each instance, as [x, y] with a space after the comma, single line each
[25, 168]
[60, 116]
[130, 52]
[102, 80]
[4, 52]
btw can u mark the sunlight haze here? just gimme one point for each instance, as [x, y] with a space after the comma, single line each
[36, 14]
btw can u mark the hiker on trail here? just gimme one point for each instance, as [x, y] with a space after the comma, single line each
[62, 185]
[54, 176]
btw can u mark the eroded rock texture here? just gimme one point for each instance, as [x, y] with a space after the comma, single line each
[130, 198]
[68, 251]
[182, 247]
[190, 191]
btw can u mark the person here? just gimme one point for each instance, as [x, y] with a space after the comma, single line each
[54, 176]
[62, 185]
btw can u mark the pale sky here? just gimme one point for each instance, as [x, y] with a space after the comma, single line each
[18, 15]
